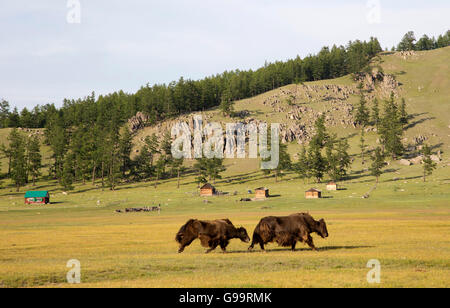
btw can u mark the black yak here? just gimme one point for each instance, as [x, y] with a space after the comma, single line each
[288, 230]
[211, 234]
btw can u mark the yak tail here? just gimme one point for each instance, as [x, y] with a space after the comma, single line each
[264, 231]
[183, 229]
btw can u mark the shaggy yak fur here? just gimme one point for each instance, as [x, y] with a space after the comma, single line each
[211, 234]
[289, 230]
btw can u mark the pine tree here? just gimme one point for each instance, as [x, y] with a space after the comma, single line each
[302, 166]
[407, 42]
[18, 159]
[145, 166]
[362, 146]
[428, 164]
[34, 158]
[160, 168]
[362, 113]
[113, 158]
[67, 172]
[375, 118]
[377, 164]
[14, 118]
[403, 113]
[321, 135]
[209, 169]
[226, 103]
[317, 163]
[215, 168]
[7, 153]
[57, 138]
[391, 129]
[125, 147]
[337, 159]
[343, 158]
[178, 168]
[4, 113]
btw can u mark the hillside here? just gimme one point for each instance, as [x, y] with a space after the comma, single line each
[422, 78]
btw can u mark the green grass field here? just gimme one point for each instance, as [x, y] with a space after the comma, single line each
[405, 223]
[405, 226]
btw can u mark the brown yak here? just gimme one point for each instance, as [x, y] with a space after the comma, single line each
[288, 230]
[211, 234]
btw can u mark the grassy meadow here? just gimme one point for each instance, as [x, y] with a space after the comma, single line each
[405, 223]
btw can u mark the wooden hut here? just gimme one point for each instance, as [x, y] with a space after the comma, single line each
[261, 193]
[207, 190]
[37, 197]
[313, 194]
[332, 186]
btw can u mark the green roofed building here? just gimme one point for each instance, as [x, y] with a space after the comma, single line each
[37, 197]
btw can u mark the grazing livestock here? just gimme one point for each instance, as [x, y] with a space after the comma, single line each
[289, 230]
[211, 234]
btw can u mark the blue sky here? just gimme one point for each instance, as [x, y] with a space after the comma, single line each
[122, 45]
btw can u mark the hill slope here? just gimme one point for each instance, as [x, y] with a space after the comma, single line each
[422, 78]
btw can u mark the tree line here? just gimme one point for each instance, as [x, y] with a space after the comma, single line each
[161, 101]
[409, 42]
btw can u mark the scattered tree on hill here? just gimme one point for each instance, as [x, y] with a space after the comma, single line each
[337, 159]
[4, 113]
[391, 129]
[301, 167]
[428, 164]
[403, 113]
[178, 168]
[317, 163]
[34, 158]
[285, 163]
[125, 147]
[226, 103]
[67, 172]
[376, 169]
[362, 113]
[17, 145]
[407, 42]
[209, 169]
[321, 135]
[362, 146]
[375, 118]
[7, 153]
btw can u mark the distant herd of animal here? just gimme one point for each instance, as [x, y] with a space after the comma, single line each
[286, 231]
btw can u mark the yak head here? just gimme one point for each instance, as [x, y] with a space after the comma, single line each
[242, 235]
[322, 228]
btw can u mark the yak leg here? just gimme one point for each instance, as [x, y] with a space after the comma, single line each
[213, 246]
[223, 245]
[311, 243]
[261, 244]
[293, 245]
[256, 240]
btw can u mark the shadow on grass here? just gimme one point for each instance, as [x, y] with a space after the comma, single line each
[281, 249]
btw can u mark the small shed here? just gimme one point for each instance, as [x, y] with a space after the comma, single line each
[332, 186]
[207, 190]
[261, 193]
[313, 194]
[37, 197]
